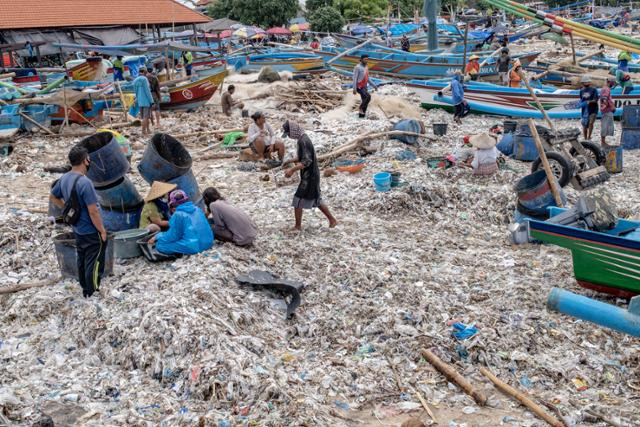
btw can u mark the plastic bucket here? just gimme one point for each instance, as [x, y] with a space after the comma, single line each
[534, 194]
[164, 159]
[630, 139]
[613, 159]
[395, 178]
[382, 181]
[126, 243]
[108, 163]
[440, 129]
[509, 126]
[118, 220]
[65, 247]
[121, 195]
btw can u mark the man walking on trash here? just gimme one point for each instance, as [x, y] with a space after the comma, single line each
[144, 98]
[360, 83]
[91, 236]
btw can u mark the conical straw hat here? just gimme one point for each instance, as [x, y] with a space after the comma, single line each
[159, 189]
[483, 141]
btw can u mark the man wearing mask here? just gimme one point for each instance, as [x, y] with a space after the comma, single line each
[90, 234]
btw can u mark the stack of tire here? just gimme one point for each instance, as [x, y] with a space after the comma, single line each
[165, 159]
[120, 201]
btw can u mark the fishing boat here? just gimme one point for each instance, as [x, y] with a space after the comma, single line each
[404, 65]
[293, 62]
[488, 98]
[603, 261]
[83, 112]
[193, 95]
[10, 120]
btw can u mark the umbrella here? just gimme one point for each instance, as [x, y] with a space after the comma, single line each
[279, 31]
[223, 34]
[296, 28]
[247, 32]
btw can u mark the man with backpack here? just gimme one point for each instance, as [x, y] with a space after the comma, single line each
[74, 193]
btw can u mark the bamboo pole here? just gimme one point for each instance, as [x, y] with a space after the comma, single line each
[21, 287]
[495, 52]
[537, 101]
[573, 49]
[553, 184]
[348, 51]
[453, 376]
[464, 56]
[519, 396]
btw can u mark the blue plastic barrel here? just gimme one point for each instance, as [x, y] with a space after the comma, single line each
[524, 146]
[121, 195]
[505, 146]
[117, 220]
[630, 139]
[382, 181]
[631, 117]
[164, 159]
[189, 185]
[534, 194]
[65, 247]
[108, 162]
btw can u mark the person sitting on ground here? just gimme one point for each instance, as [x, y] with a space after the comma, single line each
[262, 138]
[228, 104]
[486, 155]
[307, 195]
[189, 231]
[155, 212]
[473, 67]
[514, 75]
[623, 79]
[230, 224]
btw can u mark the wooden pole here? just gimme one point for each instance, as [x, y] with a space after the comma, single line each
[519, 396]
[537, 101]
[573, 48]
[464, 56]
[584, 58]
[23, 286]
[484, 62]
[553, 184]
[346, 52]
[453, 376]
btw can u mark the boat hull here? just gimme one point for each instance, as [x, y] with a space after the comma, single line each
[193, 95]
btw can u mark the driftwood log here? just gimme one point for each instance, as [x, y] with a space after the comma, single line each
[453, 376]
[21, 287]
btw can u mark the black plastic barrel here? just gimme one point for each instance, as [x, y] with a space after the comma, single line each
[509, 126]
[534, 194]
[108, 162]
[164, 159]
[65, 247]
[189, 185]
[122, 195]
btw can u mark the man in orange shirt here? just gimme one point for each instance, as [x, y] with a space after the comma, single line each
[514, 75]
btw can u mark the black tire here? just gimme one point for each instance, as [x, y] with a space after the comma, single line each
[594, 151]
[561, 167]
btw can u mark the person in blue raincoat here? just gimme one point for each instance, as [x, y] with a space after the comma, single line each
[189, 231]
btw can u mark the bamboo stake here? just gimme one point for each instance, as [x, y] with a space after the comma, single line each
[415, 391]
[519, 396]
[573, 49]
[537, 101]
[484, 62]
[464, 56]
[452, 375]
[545, 164]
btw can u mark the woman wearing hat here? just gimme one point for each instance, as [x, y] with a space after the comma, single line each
[486, 155]
[155, 212]
[473, 68]
[189, 231]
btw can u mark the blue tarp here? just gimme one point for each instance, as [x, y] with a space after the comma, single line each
[399, 29]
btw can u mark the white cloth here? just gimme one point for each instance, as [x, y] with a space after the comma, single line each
[483, 157]
[267, 134]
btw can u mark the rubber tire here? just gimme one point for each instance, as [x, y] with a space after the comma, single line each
[566, 165]
[597, 153]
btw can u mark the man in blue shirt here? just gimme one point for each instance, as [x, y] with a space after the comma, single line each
[89, 231]
[457, 97]
[144, 98]
[589, 106]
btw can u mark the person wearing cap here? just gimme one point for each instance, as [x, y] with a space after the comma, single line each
[189, 231]
[514, 75]
[154, 86]
[262, 139]
[607, 108]
[623, 80]
[230, 224]
[504, 60]
[307, 196]
[588, 106]
[473, 67]
[486, 155]
[405, 44]
[361, 83]
[155, 212]
[144, 98]
[118, 69]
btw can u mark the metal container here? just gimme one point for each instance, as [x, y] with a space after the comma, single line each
[65, 247]
[164, 159]
[121, 195]
[126, 243]
[189, 185]
[534, 195]
[108, 162]
[117, 220]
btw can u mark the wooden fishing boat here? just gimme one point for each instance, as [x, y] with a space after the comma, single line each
[603, 261]
[404, 65]
[10, 120]
[488, 98]
[293, 62]
[83, 112]
[194, 94]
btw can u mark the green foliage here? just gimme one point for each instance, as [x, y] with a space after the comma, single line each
[406, 7]
[263, 13]
[326, 20]
[313, 5]
[361, 9]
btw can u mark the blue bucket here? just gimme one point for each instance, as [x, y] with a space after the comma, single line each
[121, 195]
[534, 195]
[117, 220]
[164, 159]
[108, 162]
[382, 181]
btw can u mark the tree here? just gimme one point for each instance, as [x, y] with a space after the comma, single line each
[313, 5]
[326, 20]
[361, 9]
[263, 13]
[406, 8]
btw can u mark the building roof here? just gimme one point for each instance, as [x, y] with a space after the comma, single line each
[204, 2]
[24, 14]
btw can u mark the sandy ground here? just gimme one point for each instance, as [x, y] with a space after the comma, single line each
[181, 343]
